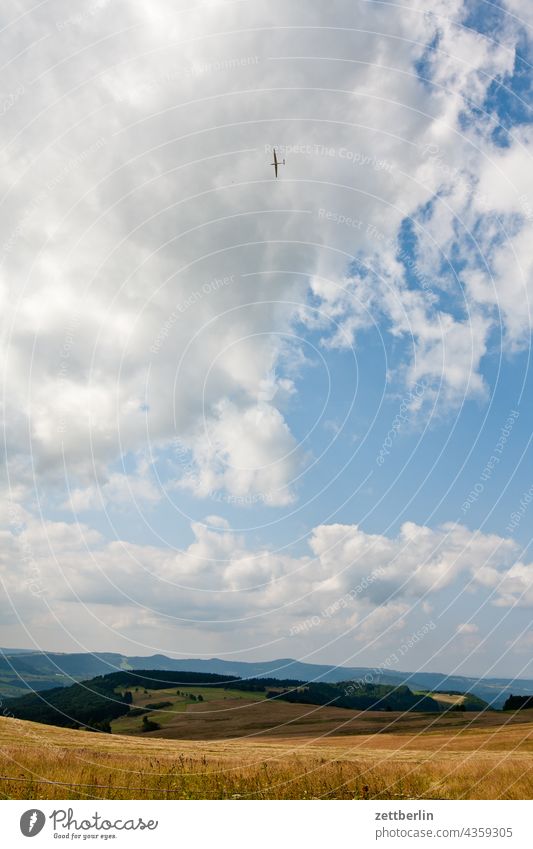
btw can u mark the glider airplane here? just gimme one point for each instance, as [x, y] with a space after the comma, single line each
[276, 163]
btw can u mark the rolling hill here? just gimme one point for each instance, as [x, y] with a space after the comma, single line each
[96, 703]
[21, 670]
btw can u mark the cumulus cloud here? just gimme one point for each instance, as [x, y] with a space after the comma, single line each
[143, 235]
[467, 628]
[249, 454]
[363, 586]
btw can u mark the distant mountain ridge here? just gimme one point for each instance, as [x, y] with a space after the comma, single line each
[21, 670]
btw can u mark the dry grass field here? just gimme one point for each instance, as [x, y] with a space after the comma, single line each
[244, 748]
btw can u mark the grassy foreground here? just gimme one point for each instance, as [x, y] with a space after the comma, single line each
[404, 766]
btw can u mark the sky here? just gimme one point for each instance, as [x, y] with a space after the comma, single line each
[250, 417]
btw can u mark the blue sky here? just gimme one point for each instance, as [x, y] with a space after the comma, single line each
[232, 401]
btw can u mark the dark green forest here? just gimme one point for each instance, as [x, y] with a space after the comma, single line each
[358, 696]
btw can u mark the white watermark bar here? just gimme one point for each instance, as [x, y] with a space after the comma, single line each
[262, 824]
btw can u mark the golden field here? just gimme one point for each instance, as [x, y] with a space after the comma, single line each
[256, 749]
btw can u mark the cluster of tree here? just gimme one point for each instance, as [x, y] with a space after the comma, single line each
[163, 679]
[158, 679]
[259, 685]
[358, 696]
[89, 705]
[518, 703]
[149, 725]
[104, 726]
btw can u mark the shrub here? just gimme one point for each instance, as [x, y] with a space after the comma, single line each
[148, 725]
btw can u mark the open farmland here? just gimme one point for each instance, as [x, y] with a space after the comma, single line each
[267, 750]
[231, 714]
[189, 700]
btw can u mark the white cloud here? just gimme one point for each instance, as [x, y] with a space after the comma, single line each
[467, 628]
[118, 491]
[364, 585]
[144, 185]
[522, 644]
[248, 453]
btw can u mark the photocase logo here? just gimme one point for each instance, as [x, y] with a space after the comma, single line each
[32, 822]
